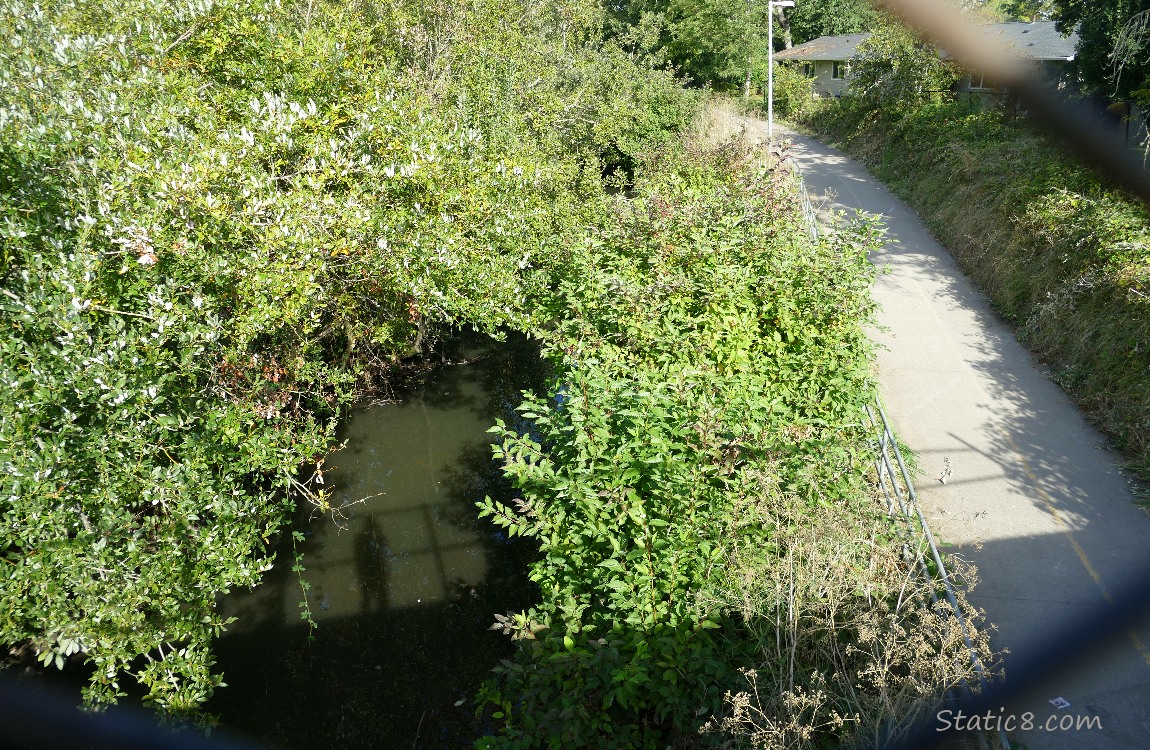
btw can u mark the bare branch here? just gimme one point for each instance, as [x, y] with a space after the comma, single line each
[183, 37]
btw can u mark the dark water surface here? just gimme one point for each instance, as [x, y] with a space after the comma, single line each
[404, 587]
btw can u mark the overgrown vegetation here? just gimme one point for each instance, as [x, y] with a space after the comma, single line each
[1061, 254]
[218, 219]
[894, 68]
[891, 67]
[223, 219]
[714, 570]
[793, 89]
[713, 42]
[1113, 56]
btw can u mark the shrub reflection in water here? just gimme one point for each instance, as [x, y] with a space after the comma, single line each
[403, 586]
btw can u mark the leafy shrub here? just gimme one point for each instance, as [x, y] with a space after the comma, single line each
[216, 219]
[893, 67]
[711, 361]
[794, 91]
[639, 112]
[519, 82]
[850, 646]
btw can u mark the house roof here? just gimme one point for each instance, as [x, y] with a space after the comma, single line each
[1038, 41]
[840, 47]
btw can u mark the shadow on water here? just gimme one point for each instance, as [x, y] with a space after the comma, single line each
[403, 588]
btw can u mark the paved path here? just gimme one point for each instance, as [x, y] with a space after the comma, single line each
[1033, 497]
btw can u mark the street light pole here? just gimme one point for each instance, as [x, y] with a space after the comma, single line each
[771, 5]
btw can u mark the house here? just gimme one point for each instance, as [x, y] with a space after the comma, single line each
[1039, 41]
[827, 59]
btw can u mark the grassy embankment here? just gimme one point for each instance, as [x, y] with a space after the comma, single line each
[1063, 257]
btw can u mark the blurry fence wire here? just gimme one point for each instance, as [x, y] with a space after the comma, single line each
[42, 717]
[1070, 122]
[1079, 640]
[53, 723]
[808, 208]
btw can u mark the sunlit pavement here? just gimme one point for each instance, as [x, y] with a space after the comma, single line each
[1031, 495]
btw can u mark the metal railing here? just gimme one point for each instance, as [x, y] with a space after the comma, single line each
[1077, 127]
[917, 543]
[805, 201]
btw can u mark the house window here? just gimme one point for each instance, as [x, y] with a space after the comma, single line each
[808, 69]
[839, 70]
[978, 82]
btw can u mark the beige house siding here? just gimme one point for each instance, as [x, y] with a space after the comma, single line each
[1040, 42]
[821, 55]
[825, 85]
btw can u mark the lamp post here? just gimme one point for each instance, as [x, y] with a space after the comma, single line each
[771, 5]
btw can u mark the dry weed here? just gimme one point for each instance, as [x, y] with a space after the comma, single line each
[853, 647]
[718, 122]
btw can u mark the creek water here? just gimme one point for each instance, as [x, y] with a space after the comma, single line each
[403, 587]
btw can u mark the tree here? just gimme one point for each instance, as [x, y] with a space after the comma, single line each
[712, 41]
[1026, 10]
[810, 20]
[1114, 51]
[894, 66]
[782, 27]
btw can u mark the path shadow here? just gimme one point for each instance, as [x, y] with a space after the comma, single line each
[1036, 497]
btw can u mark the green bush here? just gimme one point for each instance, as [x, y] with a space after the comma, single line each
[794, 91]
[895, 68]
[216, 217]
[712, 370]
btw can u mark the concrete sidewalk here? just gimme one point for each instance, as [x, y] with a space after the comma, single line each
[1032, 496]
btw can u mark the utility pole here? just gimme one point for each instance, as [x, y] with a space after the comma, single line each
[771, 5]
